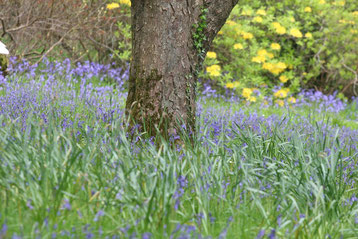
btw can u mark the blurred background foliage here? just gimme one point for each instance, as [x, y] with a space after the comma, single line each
[77, 29]
[288, 45]
[266, 47]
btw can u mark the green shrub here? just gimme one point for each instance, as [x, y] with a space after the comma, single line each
[293, 43]
[123, 32]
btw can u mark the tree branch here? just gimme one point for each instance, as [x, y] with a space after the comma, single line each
[218, 12]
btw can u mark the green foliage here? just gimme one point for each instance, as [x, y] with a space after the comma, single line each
[91, 180]
[123, 33]
[4, 62]
[52, 181]
[293, 44]
[123, 52]
[198, 35]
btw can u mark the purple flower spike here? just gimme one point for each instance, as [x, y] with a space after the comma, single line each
[272, 235]
[261, 234]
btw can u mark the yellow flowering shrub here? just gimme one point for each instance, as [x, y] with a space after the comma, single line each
[291, 44]
[311, 43]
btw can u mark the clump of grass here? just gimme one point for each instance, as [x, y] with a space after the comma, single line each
[70, 168]
[240, 185]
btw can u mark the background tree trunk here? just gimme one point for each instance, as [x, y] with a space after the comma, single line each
[169, 42]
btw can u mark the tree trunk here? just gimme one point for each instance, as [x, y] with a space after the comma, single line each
[169, 42]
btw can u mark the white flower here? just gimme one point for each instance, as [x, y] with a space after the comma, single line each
[3, 49]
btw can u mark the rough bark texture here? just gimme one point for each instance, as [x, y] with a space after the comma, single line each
[166, 59]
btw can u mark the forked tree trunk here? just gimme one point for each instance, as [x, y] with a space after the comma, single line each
[169, 41]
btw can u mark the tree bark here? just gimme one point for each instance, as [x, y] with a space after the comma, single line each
[169, 42]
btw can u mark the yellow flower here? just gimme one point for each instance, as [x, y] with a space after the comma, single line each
[246, 92]
[281, 30]
[216, 67]
[281, 65]
[259, 59]
[252, 99]
[238, 46]
[353, 31]
[308, 9]
[230, 85]
[355, 13]
[262, 52]
[282, 93]
[275, 68]
[261, 12]
[268, 66]
[280, 102]
[275, 46]
[257, 19]
[276, 24]
[211, 55]
[292, 100]
[112, 5]
[125, 2]
[322, 1]
[296, 33]
[308, 35]
[220, 33]
[215, 73]
[283, 79]
[214, 70]
[292, 19]
[247, 35]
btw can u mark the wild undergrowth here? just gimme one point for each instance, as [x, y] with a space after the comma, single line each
[68, 167]
[289, 182]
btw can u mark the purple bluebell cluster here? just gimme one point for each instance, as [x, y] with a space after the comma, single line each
[63, 90]
[240, 159]
[321, 102]
[306, 98]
